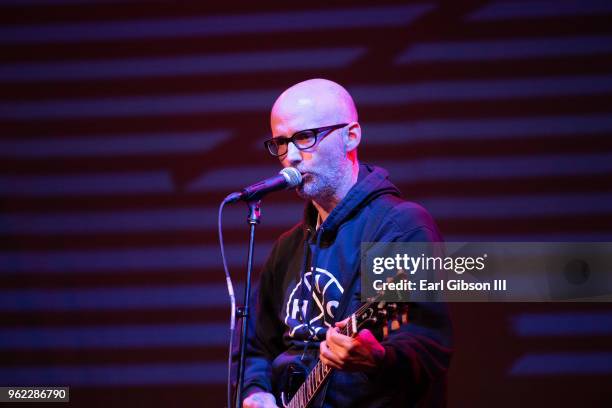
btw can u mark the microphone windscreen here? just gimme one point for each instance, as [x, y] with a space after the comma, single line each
[292, 175]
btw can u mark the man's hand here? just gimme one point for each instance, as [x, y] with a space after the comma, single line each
[259, 400]
[360, 353]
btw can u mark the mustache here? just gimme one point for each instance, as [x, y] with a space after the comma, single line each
[302, 171]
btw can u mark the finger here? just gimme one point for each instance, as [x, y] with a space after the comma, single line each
[331, 358]
[328, 357]
[338, 341]
[342, 323]
[329, 363]
[250, 403]
[340, 352]
[365, 334]
[330, 337]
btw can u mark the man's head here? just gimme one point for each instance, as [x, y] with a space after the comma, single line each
[328, 166]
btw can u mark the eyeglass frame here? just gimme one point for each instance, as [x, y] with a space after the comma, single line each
[317, 132]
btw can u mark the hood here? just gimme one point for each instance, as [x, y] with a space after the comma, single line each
[372, 182]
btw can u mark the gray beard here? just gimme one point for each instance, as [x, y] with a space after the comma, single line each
[317, 190]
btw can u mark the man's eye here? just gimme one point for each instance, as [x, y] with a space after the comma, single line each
[300, 137]
[281, 141]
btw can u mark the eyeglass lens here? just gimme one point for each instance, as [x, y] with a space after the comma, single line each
[302, 140]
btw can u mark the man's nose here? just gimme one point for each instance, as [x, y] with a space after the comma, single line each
[294, 155]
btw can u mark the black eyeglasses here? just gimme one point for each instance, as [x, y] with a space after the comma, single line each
[304, 139]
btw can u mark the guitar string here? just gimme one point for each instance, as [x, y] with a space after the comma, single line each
[304, 387]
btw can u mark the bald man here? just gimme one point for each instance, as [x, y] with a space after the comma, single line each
[310, 282]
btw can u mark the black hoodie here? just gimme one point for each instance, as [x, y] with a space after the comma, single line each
[417, 356]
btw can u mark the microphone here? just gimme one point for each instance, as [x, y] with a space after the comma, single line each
[288, 177]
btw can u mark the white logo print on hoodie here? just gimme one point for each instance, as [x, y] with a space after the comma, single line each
[325, 296]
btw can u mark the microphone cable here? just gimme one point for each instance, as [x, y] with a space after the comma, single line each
[230, 291]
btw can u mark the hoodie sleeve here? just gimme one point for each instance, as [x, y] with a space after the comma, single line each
[417, 355]
[264, 336]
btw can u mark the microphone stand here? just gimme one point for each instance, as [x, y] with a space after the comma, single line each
[243, 312]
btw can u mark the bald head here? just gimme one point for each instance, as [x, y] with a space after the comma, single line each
[329, 166]
[312, 103]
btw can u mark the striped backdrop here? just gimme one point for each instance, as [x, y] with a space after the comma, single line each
[124, 123]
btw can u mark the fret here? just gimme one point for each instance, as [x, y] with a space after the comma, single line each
[308, 388]
[314, 384]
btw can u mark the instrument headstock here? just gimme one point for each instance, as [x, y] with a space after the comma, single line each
[388, 315]
[377, 312]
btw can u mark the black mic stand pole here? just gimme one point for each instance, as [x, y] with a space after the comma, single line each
[243, 312]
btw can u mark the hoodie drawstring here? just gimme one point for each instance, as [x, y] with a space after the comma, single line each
[313, 265]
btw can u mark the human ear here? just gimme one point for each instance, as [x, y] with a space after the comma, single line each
[352, 136]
